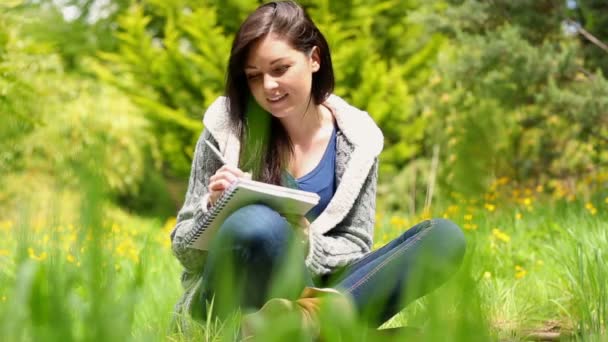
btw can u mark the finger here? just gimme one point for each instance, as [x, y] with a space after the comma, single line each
[233, 170]
[219, 185]
[223, 175]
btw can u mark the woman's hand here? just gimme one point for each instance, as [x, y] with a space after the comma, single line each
[222, 180]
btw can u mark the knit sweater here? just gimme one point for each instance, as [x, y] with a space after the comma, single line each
[340, 235]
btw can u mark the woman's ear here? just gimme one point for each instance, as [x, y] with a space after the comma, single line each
[315, 59]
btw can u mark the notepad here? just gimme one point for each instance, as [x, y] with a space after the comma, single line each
[243, 192]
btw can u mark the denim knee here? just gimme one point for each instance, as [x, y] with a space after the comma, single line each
[450, 242]
[257, 231]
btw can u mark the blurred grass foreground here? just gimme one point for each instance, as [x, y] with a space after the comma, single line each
[494, 115]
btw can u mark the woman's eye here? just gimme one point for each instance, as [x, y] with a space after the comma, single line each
[253, 76]
[281, 69]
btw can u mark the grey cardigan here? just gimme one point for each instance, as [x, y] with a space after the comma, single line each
[340, 235]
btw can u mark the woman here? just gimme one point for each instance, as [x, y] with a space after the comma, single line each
[281, 62]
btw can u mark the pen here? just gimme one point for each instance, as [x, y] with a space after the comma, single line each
[217, 153]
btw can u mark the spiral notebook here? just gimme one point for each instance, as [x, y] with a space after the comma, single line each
[243, 192]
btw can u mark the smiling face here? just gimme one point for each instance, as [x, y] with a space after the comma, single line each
[280, 77]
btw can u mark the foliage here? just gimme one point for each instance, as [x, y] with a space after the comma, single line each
[76, 29]
[511, 97]
[52, 121]
[171, 61]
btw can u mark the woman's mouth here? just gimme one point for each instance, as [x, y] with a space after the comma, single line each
[276, 99]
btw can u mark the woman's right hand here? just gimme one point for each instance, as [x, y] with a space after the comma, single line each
[221, 180]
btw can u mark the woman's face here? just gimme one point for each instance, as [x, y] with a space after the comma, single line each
[280, 77]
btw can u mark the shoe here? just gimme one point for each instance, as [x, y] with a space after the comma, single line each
[298, 320]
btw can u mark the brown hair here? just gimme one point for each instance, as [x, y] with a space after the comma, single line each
[289, 21]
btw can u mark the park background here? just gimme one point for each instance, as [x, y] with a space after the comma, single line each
[495, 115]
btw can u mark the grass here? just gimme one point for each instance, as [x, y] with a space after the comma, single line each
[532, 268]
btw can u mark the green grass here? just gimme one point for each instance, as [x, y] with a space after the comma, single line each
[109, 276]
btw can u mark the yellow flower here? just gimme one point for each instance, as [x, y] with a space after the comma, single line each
[4, 252]
[468, 217]
[169, 224]
[397, 221]
[490, 207]
[592, 210]
[115, 228]
[518, 216]
[70, 258]
[469, 226]
[487, 275]
[520, 272]
[7, 225]
[32, 255]
[500, 235]
[454, 208]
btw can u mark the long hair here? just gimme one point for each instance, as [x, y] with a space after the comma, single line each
[265, 145]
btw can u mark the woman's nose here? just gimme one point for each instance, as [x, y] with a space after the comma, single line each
[270, 82]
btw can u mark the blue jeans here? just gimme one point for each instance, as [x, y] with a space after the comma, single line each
[253, 259]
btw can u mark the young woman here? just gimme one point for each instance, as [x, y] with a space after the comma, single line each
[281, 62]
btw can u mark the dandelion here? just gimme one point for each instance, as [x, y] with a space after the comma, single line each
[470, 226]
[397, 221]
[590, 208]
[4, 252]
[7, 225]
[115, 228]
[452, 209]
[500, 235]
[518, 216]
[490, 207]
[606, 200]
[32, 255]
[487, 275]
[468, 217]
[70, 258]
[539, 188]
[520, 272]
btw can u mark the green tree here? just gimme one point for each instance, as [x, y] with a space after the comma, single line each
[512, 96]
[172, 56]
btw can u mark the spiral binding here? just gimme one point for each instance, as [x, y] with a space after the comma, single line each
[211, 215]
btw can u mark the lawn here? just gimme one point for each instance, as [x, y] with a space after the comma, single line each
[535, 268]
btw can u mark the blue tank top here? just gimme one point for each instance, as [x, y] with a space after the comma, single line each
[320, 180]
